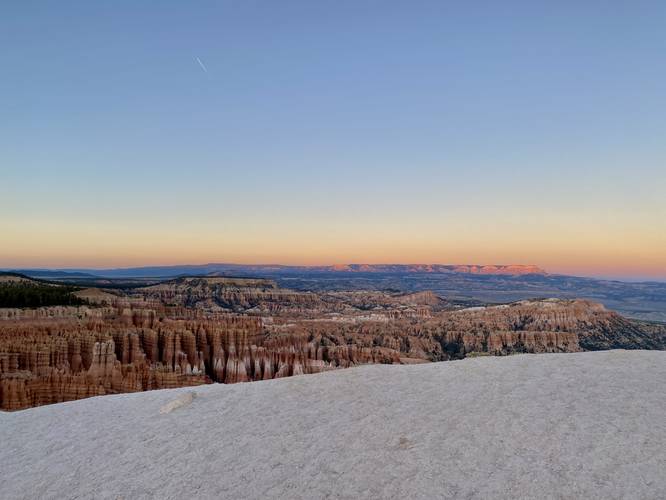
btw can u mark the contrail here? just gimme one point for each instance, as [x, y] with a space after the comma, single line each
[201, 64]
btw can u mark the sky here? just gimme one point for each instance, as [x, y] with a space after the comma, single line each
[301, 132]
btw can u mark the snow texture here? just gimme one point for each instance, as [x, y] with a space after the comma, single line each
[585, 425]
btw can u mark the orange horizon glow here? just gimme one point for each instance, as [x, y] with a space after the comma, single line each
[636, 255]
[559, 248]
[576, 237]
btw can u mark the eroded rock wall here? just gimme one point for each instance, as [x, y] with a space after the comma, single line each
[196, 331]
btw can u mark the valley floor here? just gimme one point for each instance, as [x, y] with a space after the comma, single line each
[583, 425]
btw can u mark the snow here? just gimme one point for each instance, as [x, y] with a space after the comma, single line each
[584, 425]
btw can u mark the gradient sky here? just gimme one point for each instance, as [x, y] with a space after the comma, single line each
[326, 132]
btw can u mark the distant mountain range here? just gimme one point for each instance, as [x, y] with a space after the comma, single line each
[222, 268]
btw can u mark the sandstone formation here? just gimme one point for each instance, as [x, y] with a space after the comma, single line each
[46, 361]
[239, 294]
[193, 331]
[97, 296]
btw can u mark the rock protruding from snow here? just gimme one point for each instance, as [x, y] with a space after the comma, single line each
[183, 399]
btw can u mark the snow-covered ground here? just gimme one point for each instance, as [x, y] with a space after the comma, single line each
[585, 425]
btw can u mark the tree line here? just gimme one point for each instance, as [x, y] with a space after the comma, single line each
[27, 294]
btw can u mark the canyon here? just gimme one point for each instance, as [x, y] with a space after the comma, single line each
[191, 331]
[473, 283]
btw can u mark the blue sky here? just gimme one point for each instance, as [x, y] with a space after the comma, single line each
[326, 132]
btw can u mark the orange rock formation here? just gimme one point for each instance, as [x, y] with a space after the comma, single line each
[200, 330]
